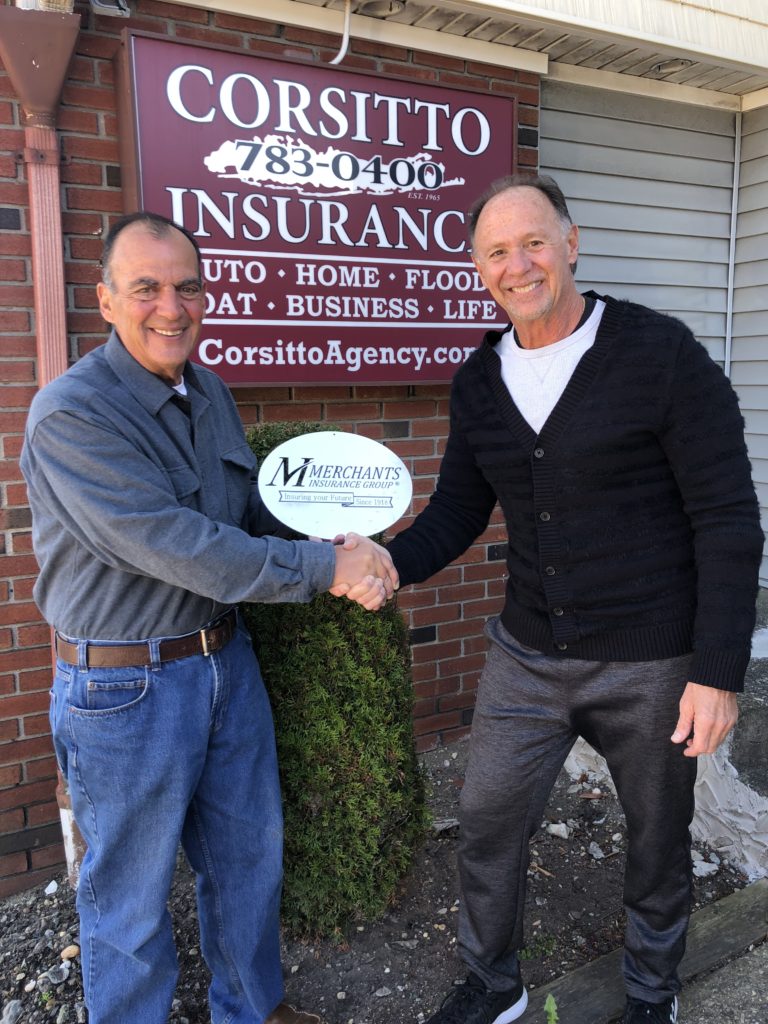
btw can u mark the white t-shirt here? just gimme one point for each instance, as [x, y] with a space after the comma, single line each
[537, 377]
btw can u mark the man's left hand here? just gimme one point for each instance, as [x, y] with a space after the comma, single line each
[706, 717]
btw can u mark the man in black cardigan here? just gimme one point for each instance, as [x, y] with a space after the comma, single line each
[615, 448]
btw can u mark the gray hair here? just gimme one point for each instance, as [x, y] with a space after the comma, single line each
[542, 182]
[155, 223]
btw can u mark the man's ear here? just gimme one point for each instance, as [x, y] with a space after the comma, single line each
[573, 244]
[104, 295]
[479, 271]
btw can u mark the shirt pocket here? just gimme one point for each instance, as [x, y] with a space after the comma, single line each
[186, 485]
[239, 465]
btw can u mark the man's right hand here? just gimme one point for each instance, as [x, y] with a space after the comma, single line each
[364, 572]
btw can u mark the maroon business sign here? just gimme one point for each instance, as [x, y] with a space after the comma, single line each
[330, 208]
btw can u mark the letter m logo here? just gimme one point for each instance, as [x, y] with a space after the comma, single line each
[288, 474]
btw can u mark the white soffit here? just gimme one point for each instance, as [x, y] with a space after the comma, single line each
[612, 44]
[646, 87]
[732, 31]
[379, 30]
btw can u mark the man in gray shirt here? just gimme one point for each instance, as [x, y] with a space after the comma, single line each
[149, 530]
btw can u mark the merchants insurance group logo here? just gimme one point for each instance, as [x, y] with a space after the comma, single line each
[330, 482]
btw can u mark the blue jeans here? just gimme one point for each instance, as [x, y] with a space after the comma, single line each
[181, 751]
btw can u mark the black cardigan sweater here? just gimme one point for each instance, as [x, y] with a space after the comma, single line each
[633, 527]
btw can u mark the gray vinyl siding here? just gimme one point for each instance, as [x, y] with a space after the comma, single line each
[749, 354]
[650, 184]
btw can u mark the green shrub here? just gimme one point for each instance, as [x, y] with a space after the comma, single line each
[266, 436]
[340, 685]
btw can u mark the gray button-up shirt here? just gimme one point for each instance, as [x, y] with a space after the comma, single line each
[140, 527]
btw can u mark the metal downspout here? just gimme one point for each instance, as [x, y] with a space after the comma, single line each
[732, 248]
[36, 48]
[41, 158]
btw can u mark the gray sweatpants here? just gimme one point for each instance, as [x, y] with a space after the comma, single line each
[530, 709]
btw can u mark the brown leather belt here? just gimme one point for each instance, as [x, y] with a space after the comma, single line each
[205, 641]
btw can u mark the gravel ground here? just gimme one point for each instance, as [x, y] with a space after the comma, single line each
[391, 971]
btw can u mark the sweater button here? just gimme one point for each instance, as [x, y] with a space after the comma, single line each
[544, 517]
[538, 453]
[550, 570]
[557, 611]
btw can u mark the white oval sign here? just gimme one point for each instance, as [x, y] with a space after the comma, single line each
[330, 482]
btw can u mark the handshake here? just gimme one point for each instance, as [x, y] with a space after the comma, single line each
[364, 573]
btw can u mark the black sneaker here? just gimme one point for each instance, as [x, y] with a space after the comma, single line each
[639, 1012]
[472, 1003]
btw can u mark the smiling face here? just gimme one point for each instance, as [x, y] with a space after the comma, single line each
[524, 254]
[155, 298]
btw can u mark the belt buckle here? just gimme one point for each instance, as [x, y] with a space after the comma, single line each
[204, 642]
[220, 625]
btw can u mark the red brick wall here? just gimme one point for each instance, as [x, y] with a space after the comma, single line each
[446, 615]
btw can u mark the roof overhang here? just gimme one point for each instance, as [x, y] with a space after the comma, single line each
[602, 43]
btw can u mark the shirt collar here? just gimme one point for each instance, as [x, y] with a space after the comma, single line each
[147, 388]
